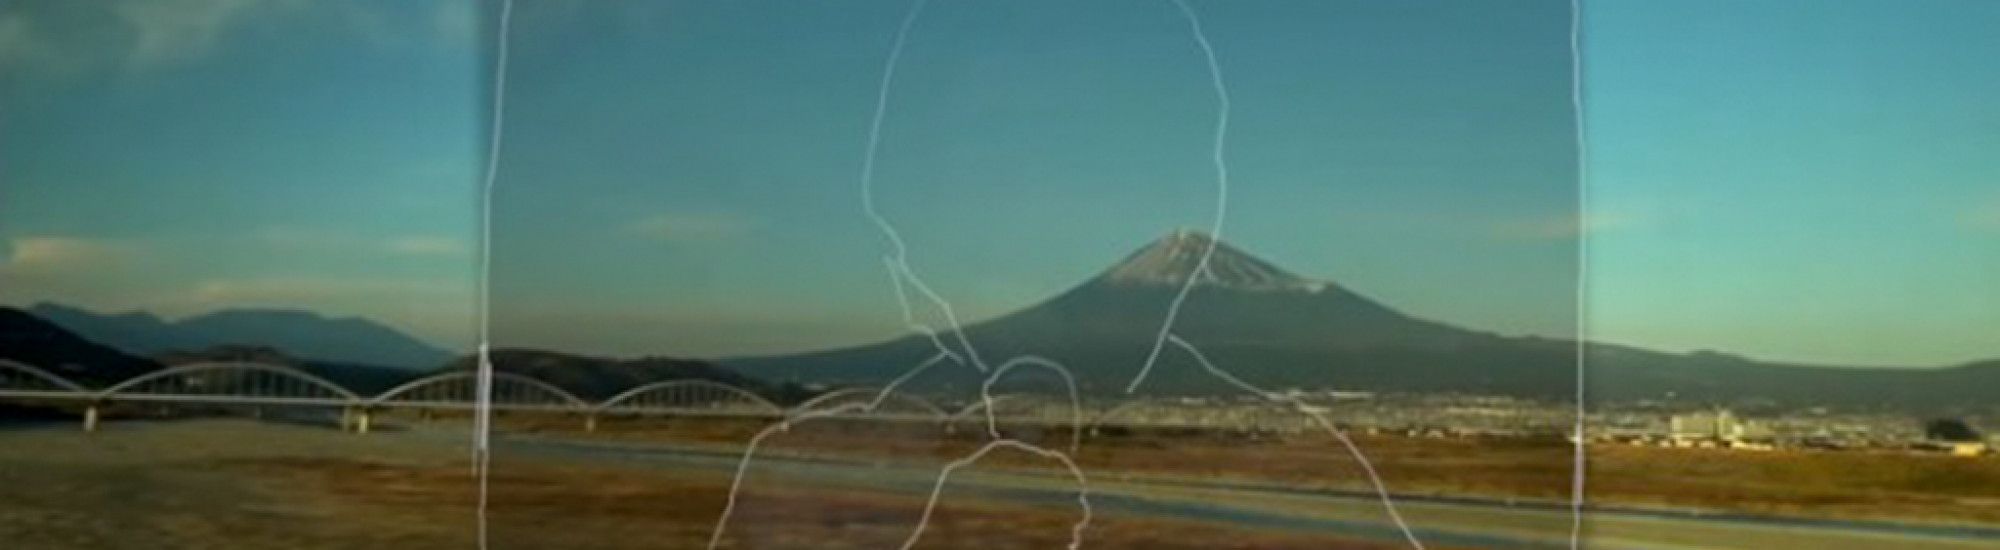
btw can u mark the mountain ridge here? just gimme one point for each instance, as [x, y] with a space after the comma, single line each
[359, 378]
[297, 333]
[42, 344]
[36, 342]
[1170, 260]
[1282, 330]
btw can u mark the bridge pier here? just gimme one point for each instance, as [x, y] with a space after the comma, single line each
[355, 419]
[90, 418]
[590, 423]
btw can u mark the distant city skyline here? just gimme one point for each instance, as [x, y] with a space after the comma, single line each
[679, 178]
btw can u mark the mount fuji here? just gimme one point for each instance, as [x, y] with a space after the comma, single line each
[1282, 330]
[1256, 319]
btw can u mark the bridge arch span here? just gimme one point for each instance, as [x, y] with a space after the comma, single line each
[192, 374]
[687, 390]
[457, 387]
[30, 372]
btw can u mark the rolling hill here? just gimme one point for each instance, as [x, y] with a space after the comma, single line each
[295, 333]
[362, 379]
[29, 339]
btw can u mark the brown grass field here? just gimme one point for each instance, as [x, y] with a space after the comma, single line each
[1884, 486]
[245, 485]
[547, 506]
[191, 484]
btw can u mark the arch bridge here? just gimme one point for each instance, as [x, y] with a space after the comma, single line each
[260, 385]
[252, 384]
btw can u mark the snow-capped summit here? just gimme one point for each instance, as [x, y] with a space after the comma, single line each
[1171, 259]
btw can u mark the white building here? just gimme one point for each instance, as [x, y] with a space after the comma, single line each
[1719, 427]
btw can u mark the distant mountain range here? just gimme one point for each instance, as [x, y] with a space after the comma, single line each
[359, 378]
[27, 338]
[1281, 330]
[351, 340]
[1260, 322]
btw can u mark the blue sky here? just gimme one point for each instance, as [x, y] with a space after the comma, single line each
[185, 156]
[685, 175]
[1797, 179]
[1791, 180]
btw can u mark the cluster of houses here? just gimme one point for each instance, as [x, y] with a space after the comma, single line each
[1724, 429]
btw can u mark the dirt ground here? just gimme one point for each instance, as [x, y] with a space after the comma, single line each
[1850, 485]
[221, 483]
[246, 485]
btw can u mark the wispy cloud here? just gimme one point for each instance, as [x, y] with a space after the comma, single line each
[42, 255]
[692, 227]
[311, 290]
[19, 41]
[1565, 226]
[455, 23]
[66, 38]
[337, 240]
[77, 270]
[176, 31]
[1984, 217]
[126, 274]
[290, 237]
[438, 310]
[425, 245]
